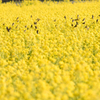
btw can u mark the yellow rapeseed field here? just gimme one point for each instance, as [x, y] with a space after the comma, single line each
[50, 51]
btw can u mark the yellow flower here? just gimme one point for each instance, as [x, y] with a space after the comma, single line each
[50, 50]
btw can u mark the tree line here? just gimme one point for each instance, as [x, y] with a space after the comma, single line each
[3, 1]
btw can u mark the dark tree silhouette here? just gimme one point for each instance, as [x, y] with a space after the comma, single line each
[3, 1]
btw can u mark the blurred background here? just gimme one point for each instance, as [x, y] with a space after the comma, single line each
[4, 1]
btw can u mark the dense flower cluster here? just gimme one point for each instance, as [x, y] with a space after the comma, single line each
[50, 51]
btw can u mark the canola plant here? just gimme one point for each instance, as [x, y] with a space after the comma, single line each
[50, 51]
